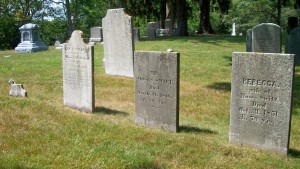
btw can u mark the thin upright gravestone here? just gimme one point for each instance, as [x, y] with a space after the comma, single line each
[96, 34]
[157, 89]
[249, 40]
[118, 43]
[266, 38]
[151, 29]
[78, 74]
[261, 100]
[292, 44]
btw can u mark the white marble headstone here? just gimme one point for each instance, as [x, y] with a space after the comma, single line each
[118, 43]
[78, 74]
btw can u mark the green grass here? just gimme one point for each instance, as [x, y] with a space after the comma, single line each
[39, 132]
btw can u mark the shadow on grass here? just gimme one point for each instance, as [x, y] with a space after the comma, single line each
[190, 129]
[107, 111]
[294, 153]
[145, 165]
[229, 59]
[225, 86]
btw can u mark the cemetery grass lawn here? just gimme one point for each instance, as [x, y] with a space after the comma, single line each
[39, 132]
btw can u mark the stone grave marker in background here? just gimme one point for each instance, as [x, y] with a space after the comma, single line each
[78, 74]
[136, 34]
[96, 34]
[266, 38]
[157, 89]
[249, 40]
[151, 29]
[233, 30]
[58, 45]
[118, 43]
[293, 44]
[169, 24]
[261, 99]
[30, 39]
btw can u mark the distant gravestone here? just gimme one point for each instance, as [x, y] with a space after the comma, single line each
[249, 40]
[233, 30]
[30, 39]
[261, 99]
[58, 45]
[292, 44]
[266, 38]
[96, 34]
[136, 34]
[169, 24]
[78, 74]
[151, 29]
[118, 43]
[157, 89]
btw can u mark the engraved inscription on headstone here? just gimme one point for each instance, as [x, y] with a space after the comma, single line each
[292, 44]
[78, 74]
[266, 38]
[118, 43]
[261, 98]
[157, 89]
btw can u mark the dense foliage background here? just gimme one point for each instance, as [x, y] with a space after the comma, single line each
[58, 18]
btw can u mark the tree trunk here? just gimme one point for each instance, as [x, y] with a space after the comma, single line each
[162, 13]
[205, 24]
[181, 11]
[278, 12]
[69, 18]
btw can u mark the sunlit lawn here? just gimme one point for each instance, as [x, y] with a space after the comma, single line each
[39, 132]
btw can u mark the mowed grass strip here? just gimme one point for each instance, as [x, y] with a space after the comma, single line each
[39, 132]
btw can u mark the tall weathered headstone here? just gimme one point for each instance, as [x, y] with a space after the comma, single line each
[118, 43]
[266, 38]
[261, 100]
[96, 34]
[151, 29]
[157, 89]
[78, 74]
[292, 44]
[249, 40]
[30, 39]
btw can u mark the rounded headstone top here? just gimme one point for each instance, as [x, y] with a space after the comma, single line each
[29, 26]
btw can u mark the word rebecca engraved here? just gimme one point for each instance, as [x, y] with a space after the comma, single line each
[258, 82]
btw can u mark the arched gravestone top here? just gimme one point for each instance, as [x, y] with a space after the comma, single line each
[292, 44]
[118, 43]
[266, 38]
[29, 26]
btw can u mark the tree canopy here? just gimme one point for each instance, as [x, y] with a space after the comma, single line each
[58, 18]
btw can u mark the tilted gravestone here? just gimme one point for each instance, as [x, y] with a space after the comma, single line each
[118, 43]
[266, 38]
[151, 29]
[261, 99]
[96, 34]
[292, 44]
[78, 74]
[249, 40]
[157, 89]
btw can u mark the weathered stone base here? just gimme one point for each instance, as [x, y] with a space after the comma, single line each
[28, 47]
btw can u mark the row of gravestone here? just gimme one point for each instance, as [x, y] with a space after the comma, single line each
[261, 91]
[267, 38]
